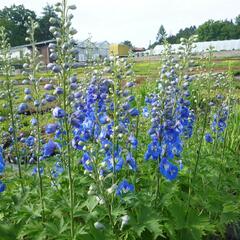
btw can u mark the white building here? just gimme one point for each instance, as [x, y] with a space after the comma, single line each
[19, 52]
[92, 50]
[224, 45]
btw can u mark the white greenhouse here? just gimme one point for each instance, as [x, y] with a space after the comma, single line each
[225, 45]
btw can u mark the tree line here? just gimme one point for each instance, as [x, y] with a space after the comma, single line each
[13, 19]
[210, 30]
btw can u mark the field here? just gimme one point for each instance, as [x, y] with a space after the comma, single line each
[120, 149]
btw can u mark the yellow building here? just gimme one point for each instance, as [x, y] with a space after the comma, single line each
[120, 50]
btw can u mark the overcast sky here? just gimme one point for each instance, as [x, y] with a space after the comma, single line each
[137, 20]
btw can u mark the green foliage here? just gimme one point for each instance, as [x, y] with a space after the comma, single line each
[13, 19]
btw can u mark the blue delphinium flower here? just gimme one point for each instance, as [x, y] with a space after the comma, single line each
[58, 91]
[171, 118]
[2, 186]
[124, 187]
[2, 162]
[208, 138]
[117, 159]
[33, 121]
[133, 141]
[131, 162]
[86, 162]
[50, 148]
[30, 141]
[22, 108]
[51, 128]
[48, 86]
[58, 112]
[50, 98]
[57, 170]
[153, 151]
[168, 170]
[35, 171]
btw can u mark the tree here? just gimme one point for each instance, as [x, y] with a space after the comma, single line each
[161, 35]
[217, 30]
[128, 43]
[237, 20]
[43, 33]
[13, 19]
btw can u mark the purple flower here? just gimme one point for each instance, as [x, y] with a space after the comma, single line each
[58, 112]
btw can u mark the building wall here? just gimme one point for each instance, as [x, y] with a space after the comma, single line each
[118, 50]
[44, 51]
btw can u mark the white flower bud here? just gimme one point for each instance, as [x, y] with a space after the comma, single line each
[112, 189]
[99, 225]
[125, 219]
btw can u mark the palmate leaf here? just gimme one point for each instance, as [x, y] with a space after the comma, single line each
[8, 232]
[33, 230]
[91, 203]
[230, 213]
[191, 224]
[147, 219]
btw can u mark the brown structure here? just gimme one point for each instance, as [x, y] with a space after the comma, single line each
[43, 50]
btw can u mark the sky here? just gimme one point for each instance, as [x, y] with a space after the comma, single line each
[137, 20]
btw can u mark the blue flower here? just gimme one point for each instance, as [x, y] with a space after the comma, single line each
[58, 170]
[133, 141]
[58, 91]
[131, 162]
[133, 112]
[2, 163]
[51, 128]
[50, 148]
[2, 186]
[208, 138]
[145, 112]
[48, 87]
[27, 91]
[117, 159]
[22, 108]
[154, 150]
[30, 141]
[33, 121]
[78, 143]
[168, 170]
[124, 187]
[58, 112]
[86, 162]
[50, 98]
[35, 171]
